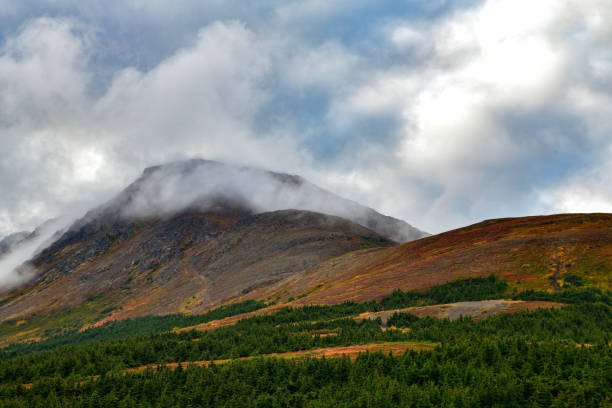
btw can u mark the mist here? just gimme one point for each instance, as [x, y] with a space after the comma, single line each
[15, 268]
[203, 185]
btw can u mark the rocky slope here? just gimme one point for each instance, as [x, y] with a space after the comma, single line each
[192, 235]
[184, 263]
[188, 235]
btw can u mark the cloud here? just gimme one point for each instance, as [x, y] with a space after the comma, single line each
[203, 97]
[468, 97]
[198, 102]
[42, 89]
[442, 115]
[322, 66]
[589, 190]
[14, 266]
[196, 184]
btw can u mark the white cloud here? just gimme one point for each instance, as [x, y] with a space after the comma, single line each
[442, 122]
[14, 268]
[405, 37]
[327, 65]
[66, 145]
[41, 75]
[483, 65]
[589, 190]
[203, 98]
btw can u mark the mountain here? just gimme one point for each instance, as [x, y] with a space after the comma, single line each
[18, 249]
[11, 241]
[540, 253]
[203, 185]
[32, 242]
[185, 263]
[190, 235]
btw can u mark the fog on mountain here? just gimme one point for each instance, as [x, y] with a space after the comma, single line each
[202, 186]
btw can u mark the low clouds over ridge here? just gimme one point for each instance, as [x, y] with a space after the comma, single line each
[441, 116]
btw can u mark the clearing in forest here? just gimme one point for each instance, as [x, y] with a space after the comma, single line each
[396, 348]
[477, 309]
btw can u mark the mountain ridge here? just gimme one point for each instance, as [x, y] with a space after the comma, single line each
[203, 186]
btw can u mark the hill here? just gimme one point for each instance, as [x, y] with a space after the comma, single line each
[541, 252]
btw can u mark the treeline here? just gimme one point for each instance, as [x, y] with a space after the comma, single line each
[491, 287]
[150, 325]
[538, 358]
[576, 296]
[471, 289]
[503, 373]
[250, 337]
[579, 324]
[457, 291]
[576, 324]
[466, 289]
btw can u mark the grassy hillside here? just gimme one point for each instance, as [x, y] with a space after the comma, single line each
[532, 253]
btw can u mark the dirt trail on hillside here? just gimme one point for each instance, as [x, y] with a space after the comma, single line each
[396, 348]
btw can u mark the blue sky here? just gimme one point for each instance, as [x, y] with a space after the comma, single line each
[440, 113]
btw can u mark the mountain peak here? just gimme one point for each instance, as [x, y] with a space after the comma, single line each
[204, 185]
[201, 230]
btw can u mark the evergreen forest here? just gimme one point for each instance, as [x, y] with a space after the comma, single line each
[540, 358]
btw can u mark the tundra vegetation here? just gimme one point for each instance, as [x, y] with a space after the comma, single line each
[545, 357]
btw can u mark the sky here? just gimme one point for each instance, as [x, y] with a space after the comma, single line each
[441, 113]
